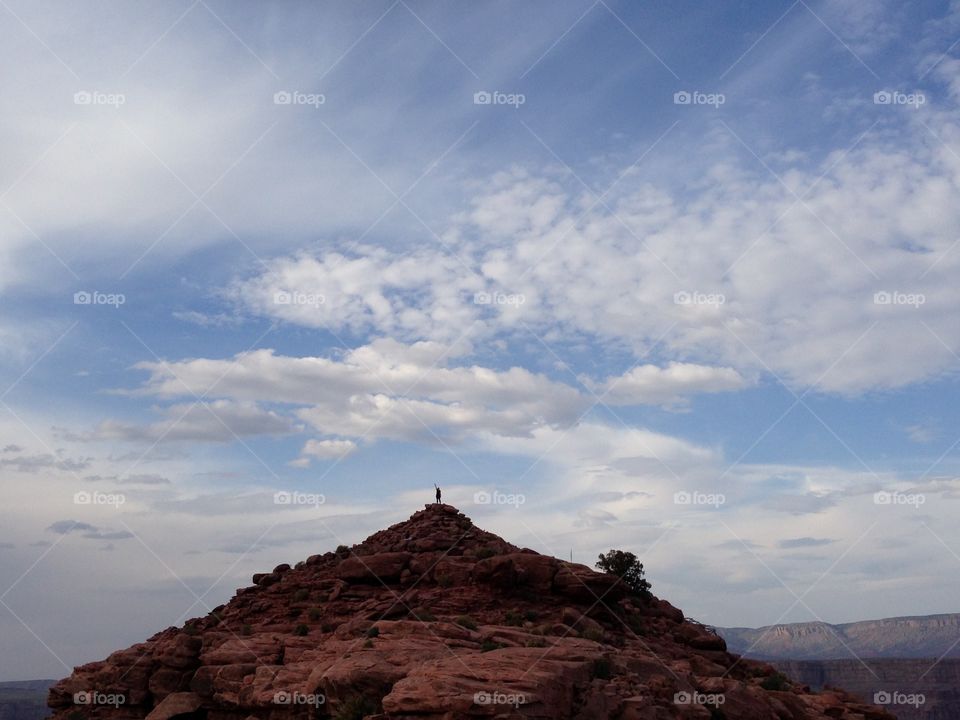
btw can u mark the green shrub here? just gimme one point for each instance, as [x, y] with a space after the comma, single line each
[368, 643]
[716, 713]
[355, 707]
[373, 632]
[301, 595]
[445, 581]
[314, 614]
[488, 645]
[537, 642]
[486, 552]
[246, 630]
[423, 614]
[342, 550]
[301, 630]
[602, 669]
[466, 621]
[777, 681]
[593, 634]
[626, 566]
[514, 619]
[635, 623]
[531, 615]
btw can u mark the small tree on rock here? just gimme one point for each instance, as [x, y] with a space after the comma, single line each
[626, 566]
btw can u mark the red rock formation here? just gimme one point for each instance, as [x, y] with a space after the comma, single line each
[435, 619]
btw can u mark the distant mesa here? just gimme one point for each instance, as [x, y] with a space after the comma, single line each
[436, 619]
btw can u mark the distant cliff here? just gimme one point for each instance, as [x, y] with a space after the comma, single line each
[929, 636]
[898, 665]
[911, 689]
[24, 700]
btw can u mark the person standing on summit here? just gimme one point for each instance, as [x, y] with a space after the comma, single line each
[438, 492]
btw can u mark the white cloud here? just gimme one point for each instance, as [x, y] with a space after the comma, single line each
[782, 280]
[324, 450]
[652, 385]
[388, 389]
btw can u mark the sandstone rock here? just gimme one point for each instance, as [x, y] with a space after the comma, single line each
[380, 568]
[176, 704]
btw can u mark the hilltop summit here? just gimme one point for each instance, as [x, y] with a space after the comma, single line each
[434, 618]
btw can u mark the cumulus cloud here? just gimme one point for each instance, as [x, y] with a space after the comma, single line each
[840, 278]
[652, 385]
[389, 389]
[324, 450]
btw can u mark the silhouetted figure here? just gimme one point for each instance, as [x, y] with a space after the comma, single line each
[438, 492]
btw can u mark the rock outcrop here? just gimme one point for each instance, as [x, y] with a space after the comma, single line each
[434, 618]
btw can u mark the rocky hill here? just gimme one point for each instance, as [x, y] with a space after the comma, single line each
[434, 619]
[929, 636]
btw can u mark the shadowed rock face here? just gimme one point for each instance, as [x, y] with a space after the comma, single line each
[434, 618]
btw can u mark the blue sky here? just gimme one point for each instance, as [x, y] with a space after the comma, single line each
[586, 292]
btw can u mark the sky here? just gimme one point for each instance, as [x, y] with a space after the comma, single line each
[677, 278]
